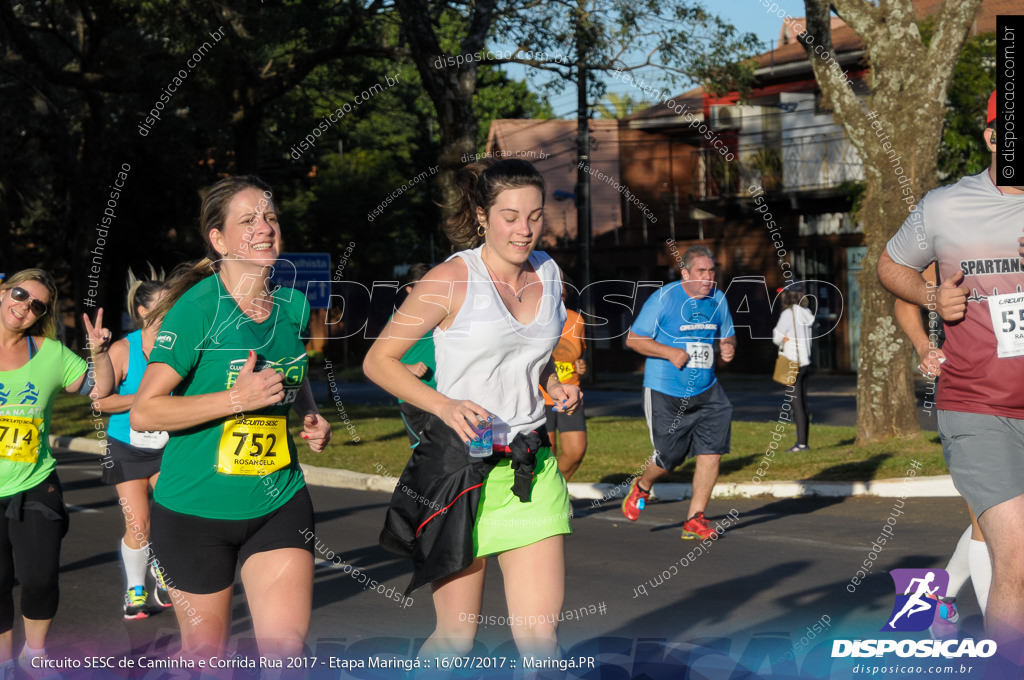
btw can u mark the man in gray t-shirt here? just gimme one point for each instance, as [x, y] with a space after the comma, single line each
[971, 229]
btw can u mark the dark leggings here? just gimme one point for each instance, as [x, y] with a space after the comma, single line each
[30, 548]
[800, 405]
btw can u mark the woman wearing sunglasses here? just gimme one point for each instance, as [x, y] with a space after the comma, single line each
[34, 366]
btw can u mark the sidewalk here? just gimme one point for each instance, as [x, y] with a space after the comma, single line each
[936, 486]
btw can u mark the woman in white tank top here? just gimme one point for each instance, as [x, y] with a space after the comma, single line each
[497, 314]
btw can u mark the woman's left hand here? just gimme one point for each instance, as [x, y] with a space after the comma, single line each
[566, 397]
[316, 431]
[98, 337]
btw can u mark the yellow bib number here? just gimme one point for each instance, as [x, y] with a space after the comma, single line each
[564, 369]
[19, 438]
[253, 446]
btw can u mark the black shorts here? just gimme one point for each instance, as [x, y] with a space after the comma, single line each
[127, 462]
[564, 422]
[682, 427]
[199, 555]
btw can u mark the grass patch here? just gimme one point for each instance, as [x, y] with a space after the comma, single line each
[617, 448]
[72, 416]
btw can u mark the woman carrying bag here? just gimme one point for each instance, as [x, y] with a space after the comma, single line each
[793, 336]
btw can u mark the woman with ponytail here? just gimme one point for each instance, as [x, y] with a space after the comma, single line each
[226, 368]
[132, 462]
[496, 313]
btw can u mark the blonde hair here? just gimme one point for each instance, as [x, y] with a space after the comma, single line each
[45, 325]
[141, 293]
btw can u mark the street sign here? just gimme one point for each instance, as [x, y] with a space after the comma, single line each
[309, 273]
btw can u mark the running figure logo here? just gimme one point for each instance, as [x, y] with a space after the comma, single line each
[917, 593]
[29, 395]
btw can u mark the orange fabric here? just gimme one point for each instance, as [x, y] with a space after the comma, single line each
[569, 349]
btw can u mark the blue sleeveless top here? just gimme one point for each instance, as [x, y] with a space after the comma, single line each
[118, 427]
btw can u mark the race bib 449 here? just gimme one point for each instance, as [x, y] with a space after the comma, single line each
[702, 355]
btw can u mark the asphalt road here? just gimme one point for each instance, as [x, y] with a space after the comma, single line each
[780, 568]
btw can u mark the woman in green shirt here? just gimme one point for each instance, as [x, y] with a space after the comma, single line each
[227, 367]
[34, 367]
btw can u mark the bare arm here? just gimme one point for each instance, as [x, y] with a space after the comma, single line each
[727, 346]
[316, 429]
[909, 318]
[434, 301]
[565, 397]
[949, 299]
[904, 282]
[117, 403]
[304, 403]
[155, 408]
[652, 348]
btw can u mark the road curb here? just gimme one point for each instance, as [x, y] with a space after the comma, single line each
[938, 486]
[79, 444]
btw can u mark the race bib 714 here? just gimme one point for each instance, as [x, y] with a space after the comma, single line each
[19, 438]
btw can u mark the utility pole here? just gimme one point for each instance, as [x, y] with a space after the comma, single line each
[582, 175]
[583, 163]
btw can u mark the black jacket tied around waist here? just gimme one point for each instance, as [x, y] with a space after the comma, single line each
[434, 507]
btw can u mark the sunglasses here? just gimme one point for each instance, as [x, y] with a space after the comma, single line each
[37, 306]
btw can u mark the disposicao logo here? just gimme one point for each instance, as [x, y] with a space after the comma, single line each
[917, 598]
[917, 593]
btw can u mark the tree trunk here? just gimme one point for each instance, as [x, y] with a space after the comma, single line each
[450, 87]
[897, 137]
[886, 403]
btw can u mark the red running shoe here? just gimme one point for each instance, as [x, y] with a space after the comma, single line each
[698, 527]
[635, 501]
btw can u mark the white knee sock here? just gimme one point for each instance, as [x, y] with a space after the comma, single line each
[981, 571]
[134, 561]
[958, 567]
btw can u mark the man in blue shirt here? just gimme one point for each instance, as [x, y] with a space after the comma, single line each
[686, 408]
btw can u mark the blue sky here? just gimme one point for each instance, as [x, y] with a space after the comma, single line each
[751, 16]
[747, 15]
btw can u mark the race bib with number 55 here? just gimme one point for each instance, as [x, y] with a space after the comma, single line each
[253, 446]
[1007, 313]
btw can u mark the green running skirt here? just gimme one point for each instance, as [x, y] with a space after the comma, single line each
[503, 522]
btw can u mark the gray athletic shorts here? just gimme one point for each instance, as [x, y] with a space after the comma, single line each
[985, 456]
[681, 427]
